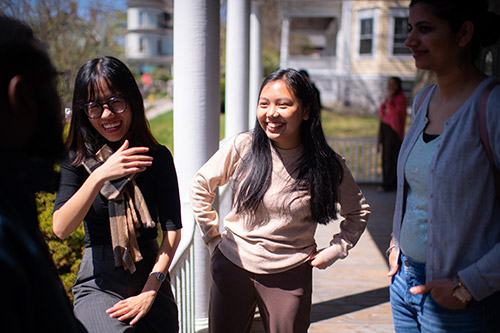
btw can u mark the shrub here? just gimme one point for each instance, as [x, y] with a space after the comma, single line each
[66, 253]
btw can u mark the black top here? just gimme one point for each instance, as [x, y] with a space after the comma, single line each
[158, 184]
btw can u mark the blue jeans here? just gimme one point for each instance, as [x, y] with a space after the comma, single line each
[420, 313]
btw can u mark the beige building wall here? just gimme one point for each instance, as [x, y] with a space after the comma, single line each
[381, 62]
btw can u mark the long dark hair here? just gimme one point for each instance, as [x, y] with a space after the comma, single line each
[320, 169]
[82, 137]
[456, 12]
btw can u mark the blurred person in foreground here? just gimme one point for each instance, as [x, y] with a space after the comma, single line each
[445, 252]
[33, 298]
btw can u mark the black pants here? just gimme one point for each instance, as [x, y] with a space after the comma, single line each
[391, 143]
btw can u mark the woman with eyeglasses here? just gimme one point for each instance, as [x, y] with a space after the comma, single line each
[121, 183]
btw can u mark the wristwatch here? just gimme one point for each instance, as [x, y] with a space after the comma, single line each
[460, 292]
[159, 275]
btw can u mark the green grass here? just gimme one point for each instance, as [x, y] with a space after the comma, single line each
[345, 125]
[334, 125]
[162, 128]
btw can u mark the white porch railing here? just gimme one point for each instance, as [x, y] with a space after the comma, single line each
[182, 272]
[362, 157]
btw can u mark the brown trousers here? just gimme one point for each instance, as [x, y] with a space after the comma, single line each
[284, 299]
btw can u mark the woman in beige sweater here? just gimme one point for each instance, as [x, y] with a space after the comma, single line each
[285, 180]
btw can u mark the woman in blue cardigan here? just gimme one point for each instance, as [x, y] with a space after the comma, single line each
[445, 250]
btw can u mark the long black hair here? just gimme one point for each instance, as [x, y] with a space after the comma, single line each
[319, 170]
[82, 136]
[456, 12]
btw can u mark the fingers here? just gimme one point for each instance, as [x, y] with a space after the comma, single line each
[316, 260]
[393, 270]
[124, 146]
[123, 311]
[422, 289]
[393, 262]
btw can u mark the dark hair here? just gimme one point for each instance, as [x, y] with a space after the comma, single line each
[399, 83]
[456, 12]
[21, 53]
[320, 170]
[304, 72]
[82, 136]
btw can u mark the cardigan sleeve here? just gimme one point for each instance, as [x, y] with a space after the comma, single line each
[355, 212]
[216, 172]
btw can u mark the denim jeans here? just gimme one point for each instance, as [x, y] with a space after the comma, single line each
[420, 313]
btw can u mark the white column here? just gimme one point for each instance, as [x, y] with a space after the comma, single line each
[285, 38]
[256, 69]
[237, 54]
[196, 66]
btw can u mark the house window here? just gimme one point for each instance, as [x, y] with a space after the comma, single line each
[142, 45]
[398, 31]
[160, 47]
[366, 36]
[142, 17]
[366, 32]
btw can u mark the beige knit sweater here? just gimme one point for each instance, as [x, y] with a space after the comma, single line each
[280, 234]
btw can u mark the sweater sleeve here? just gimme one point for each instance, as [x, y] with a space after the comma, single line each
[482, 277]
[217, 171]
[355, 212]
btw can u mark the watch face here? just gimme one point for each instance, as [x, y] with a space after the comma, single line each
[462, 294]
[159, 275]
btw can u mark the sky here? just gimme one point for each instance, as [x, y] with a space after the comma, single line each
[84, 5]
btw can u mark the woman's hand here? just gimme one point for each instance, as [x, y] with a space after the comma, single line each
[123, 162]
[316, 260]
[135, 307]
[393, 262]
[442, 292]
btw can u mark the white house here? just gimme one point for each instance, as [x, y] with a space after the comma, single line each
[149, 39]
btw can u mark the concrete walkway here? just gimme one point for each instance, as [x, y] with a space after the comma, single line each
[353, 294]
[159, 107]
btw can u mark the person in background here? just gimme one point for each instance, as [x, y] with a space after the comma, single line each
[121, 183]
[286, 180]
[392, 113]
[445, 251]
[33, 297]
[315, 89]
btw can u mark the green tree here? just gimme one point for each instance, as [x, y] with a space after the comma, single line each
[71, 35]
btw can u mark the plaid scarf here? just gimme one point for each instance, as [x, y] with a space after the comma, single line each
[127, 211]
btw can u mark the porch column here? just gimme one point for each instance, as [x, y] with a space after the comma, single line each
[196, 75]
[285, 38]
[237, 65]
[256, 69]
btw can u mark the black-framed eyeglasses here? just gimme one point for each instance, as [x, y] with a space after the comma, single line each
[116, 104]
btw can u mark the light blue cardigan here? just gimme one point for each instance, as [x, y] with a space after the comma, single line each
[464, 211]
